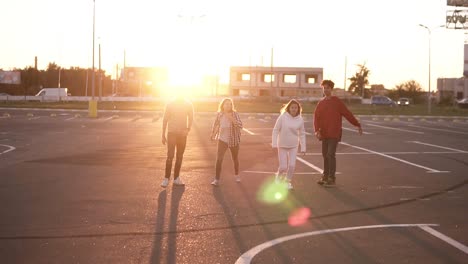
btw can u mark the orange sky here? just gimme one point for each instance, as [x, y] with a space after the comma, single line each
[200, 37]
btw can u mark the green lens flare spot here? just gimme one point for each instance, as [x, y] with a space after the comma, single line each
[272, 192]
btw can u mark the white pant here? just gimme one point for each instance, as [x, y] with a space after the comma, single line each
[287, 161]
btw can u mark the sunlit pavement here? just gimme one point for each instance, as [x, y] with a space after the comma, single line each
[81, 190]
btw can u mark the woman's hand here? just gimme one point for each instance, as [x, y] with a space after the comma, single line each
[318, 135]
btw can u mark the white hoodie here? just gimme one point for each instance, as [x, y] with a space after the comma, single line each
[289, 132]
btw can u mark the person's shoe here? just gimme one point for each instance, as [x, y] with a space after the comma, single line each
[330, 183]
[178, 182]
[215, 182]
[323, 180]
[165, 182]
[290, 186]
[238, 178]
[279, 179]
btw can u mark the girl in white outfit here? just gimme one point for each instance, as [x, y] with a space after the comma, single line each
[288, 134]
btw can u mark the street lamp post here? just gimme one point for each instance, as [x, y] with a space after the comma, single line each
[94, 27]
[429, 66]
[92, 110]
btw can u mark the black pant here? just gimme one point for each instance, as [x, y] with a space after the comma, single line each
[175, 141]
[329, 146]
[222, 147]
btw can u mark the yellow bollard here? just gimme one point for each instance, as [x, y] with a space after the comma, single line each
[92, 109]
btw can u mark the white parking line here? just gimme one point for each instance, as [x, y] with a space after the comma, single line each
[274, 172]
[71, 118]
[445, 238]
[390, 153]
[247, 257]
[397, 159]
[107, 119]
[248, 131]
[354, 130]
[310, 164]
[438, 129]
[399, 129]
[10, 148]
[437, 146]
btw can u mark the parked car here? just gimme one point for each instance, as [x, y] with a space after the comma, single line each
[403, 101]
[382, 100]
[463, 103]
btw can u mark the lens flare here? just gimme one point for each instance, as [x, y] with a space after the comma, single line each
[299, 216]
[271, 192]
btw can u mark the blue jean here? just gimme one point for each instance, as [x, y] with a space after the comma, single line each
[175, 141]
[222, 147]
[329, 146]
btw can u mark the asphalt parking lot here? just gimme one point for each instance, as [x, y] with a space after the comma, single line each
[81, 190]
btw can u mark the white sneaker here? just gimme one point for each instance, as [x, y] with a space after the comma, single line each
[279, 179]
[178, 182]
[238, 178]
[290, 186]
[215, 182]
[165, 182]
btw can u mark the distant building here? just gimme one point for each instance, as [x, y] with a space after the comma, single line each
[341, 93]
[276, 81]
[142, 81]
[452, 88]
[378, 89]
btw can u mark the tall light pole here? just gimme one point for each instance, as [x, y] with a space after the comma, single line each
[94, 27]
[429, 65]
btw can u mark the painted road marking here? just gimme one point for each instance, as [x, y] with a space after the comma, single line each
[406, 187]
[389, 153]
[248, 131]
[9, 148]
[247, 257]
[274, 172]
[356, 131]
[438, 129]
[399, 129]
[310, 164]
[397, 159]
[437, 146]
[445, 238]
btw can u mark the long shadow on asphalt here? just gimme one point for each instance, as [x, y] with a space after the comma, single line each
[156, 255]
[161, 211]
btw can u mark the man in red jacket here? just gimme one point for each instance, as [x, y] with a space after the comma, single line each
[327, 127]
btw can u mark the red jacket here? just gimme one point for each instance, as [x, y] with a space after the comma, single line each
[327, 117]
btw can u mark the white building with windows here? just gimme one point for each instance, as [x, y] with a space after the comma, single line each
[452, 88]
[275, 81]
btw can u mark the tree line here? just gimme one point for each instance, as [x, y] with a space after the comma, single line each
[409, 89]
[77, 80]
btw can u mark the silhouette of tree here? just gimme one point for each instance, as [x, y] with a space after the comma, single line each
[359, 80]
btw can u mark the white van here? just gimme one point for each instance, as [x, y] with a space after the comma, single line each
[56, 92]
